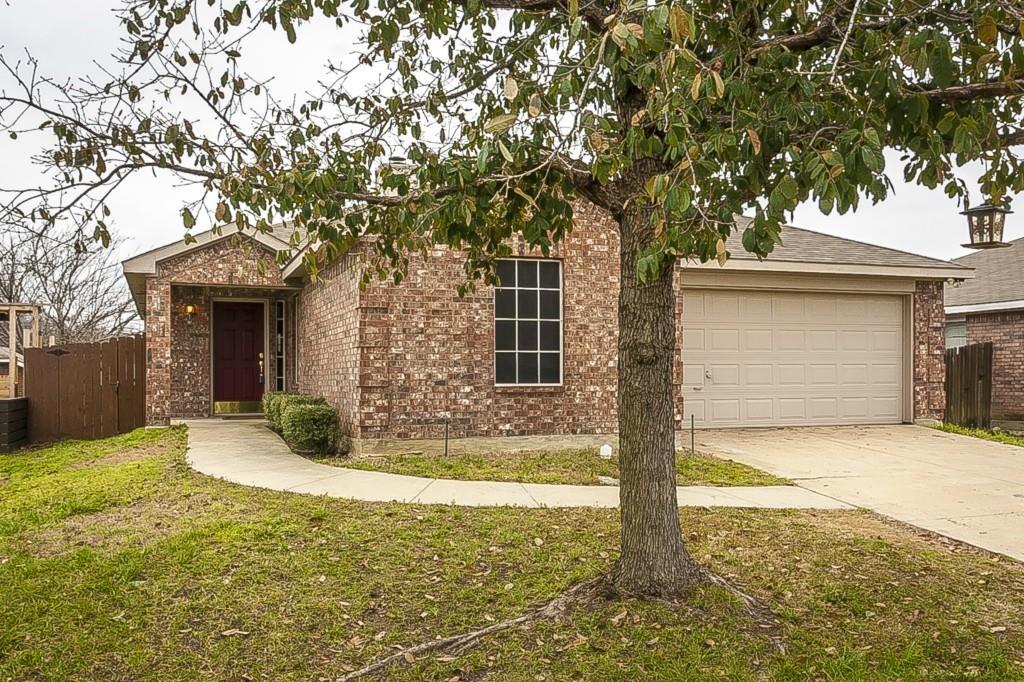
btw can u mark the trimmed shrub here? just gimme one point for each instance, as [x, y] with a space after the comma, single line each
[310, 427]
[280, 402]
[268, 402]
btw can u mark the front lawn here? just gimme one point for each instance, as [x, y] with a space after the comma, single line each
[1004, 438]
[119, 563]
[574, 467]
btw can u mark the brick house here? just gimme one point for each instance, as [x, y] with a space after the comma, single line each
[826, 331]
[990, 307]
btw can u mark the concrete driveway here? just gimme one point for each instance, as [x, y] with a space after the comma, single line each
[965, 488]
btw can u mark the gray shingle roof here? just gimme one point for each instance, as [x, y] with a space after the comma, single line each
[998, 276]
[800, 245]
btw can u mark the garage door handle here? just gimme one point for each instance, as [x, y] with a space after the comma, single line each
[698, 388]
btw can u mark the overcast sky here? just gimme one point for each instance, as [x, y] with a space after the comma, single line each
[76, 34]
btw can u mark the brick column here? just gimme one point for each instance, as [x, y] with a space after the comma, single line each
[158, 352]
[929, 351]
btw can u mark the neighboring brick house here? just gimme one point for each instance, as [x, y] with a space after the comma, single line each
[990, 307]
[826, 331]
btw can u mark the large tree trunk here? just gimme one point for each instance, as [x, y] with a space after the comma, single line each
[654, 560]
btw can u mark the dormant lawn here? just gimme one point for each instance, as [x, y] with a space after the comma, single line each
[119, 563]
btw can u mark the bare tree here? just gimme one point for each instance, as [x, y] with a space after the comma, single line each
[76, 281]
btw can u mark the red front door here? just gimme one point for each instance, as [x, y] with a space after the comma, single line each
[237, 351]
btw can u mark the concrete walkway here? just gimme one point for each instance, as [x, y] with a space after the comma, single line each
[248, 453]
[961, 487]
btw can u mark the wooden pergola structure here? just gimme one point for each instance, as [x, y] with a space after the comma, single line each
[10, 314]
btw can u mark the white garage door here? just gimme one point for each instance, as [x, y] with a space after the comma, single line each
[753, 358]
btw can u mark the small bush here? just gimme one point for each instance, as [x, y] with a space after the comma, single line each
[310, 427]
[281, 402]
[269, 398]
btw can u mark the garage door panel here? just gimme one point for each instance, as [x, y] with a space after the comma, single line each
[758, 374]
[697, 407]
[885, 374]
[693, 304]
[885, 341]
[755, 340]
[725, 409]
[853, 340]
[723, 339]
[822, 340]
[788, 309]
[790, 340]
[756, 307]
[693, 375]
[721, 306]
[850, 373]
[852, 308]
[759, 409]
[822, 374]
[856, 408]
[793, 375]
[693, 340]
[822, 308]
[885, 407]
[821, 358]
[793, 408]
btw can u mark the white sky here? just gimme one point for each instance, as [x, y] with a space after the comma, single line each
[77, 33]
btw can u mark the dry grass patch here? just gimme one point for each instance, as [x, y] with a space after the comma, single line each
[567, 467]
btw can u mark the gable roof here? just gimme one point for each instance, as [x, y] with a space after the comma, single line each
[137, 268]
[808, 251]
[998, 283]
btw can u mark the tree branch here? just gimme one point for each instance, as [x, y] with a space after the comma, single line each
[972, 91]
[591, 10]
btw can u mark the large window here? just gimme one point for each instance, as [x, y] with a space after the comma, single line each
[956, 333]
[528, 323]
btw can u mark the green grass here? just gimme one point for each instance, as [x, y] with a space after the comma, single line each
[119, 563]
[572, 467]
[1005, 438]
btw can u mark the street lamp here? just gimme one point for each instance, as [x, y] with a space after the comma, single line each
[986, 226]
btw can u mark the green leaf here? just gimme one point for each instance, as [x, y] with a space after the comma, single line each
[988, 30]
[505, 152]
[788, 187]
[187, 219]
[500, 123]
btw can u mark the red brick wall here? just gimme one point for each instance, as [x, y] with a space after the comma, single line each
[425, 352]
[929, 351]
[328, 337]
[1006, 332]
[178, 383]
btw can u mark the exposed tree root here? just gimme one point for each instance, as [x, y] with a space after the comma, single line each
[578, 595]
[582, 593]
[759, 612]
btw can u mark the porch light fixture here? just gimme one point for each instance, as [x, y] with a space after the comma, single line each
[189, 309]
[986, 224]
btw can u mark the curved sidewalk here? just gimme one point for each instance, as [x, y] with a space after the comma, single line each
[248, 453]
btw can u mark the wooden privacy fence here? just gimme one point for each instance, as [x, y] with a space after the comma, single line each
[86, 390]
[969, 385]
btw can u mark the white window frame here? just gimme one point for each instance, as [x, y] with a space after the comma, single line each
[516, 320]
[281, 350]
[961, 323]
